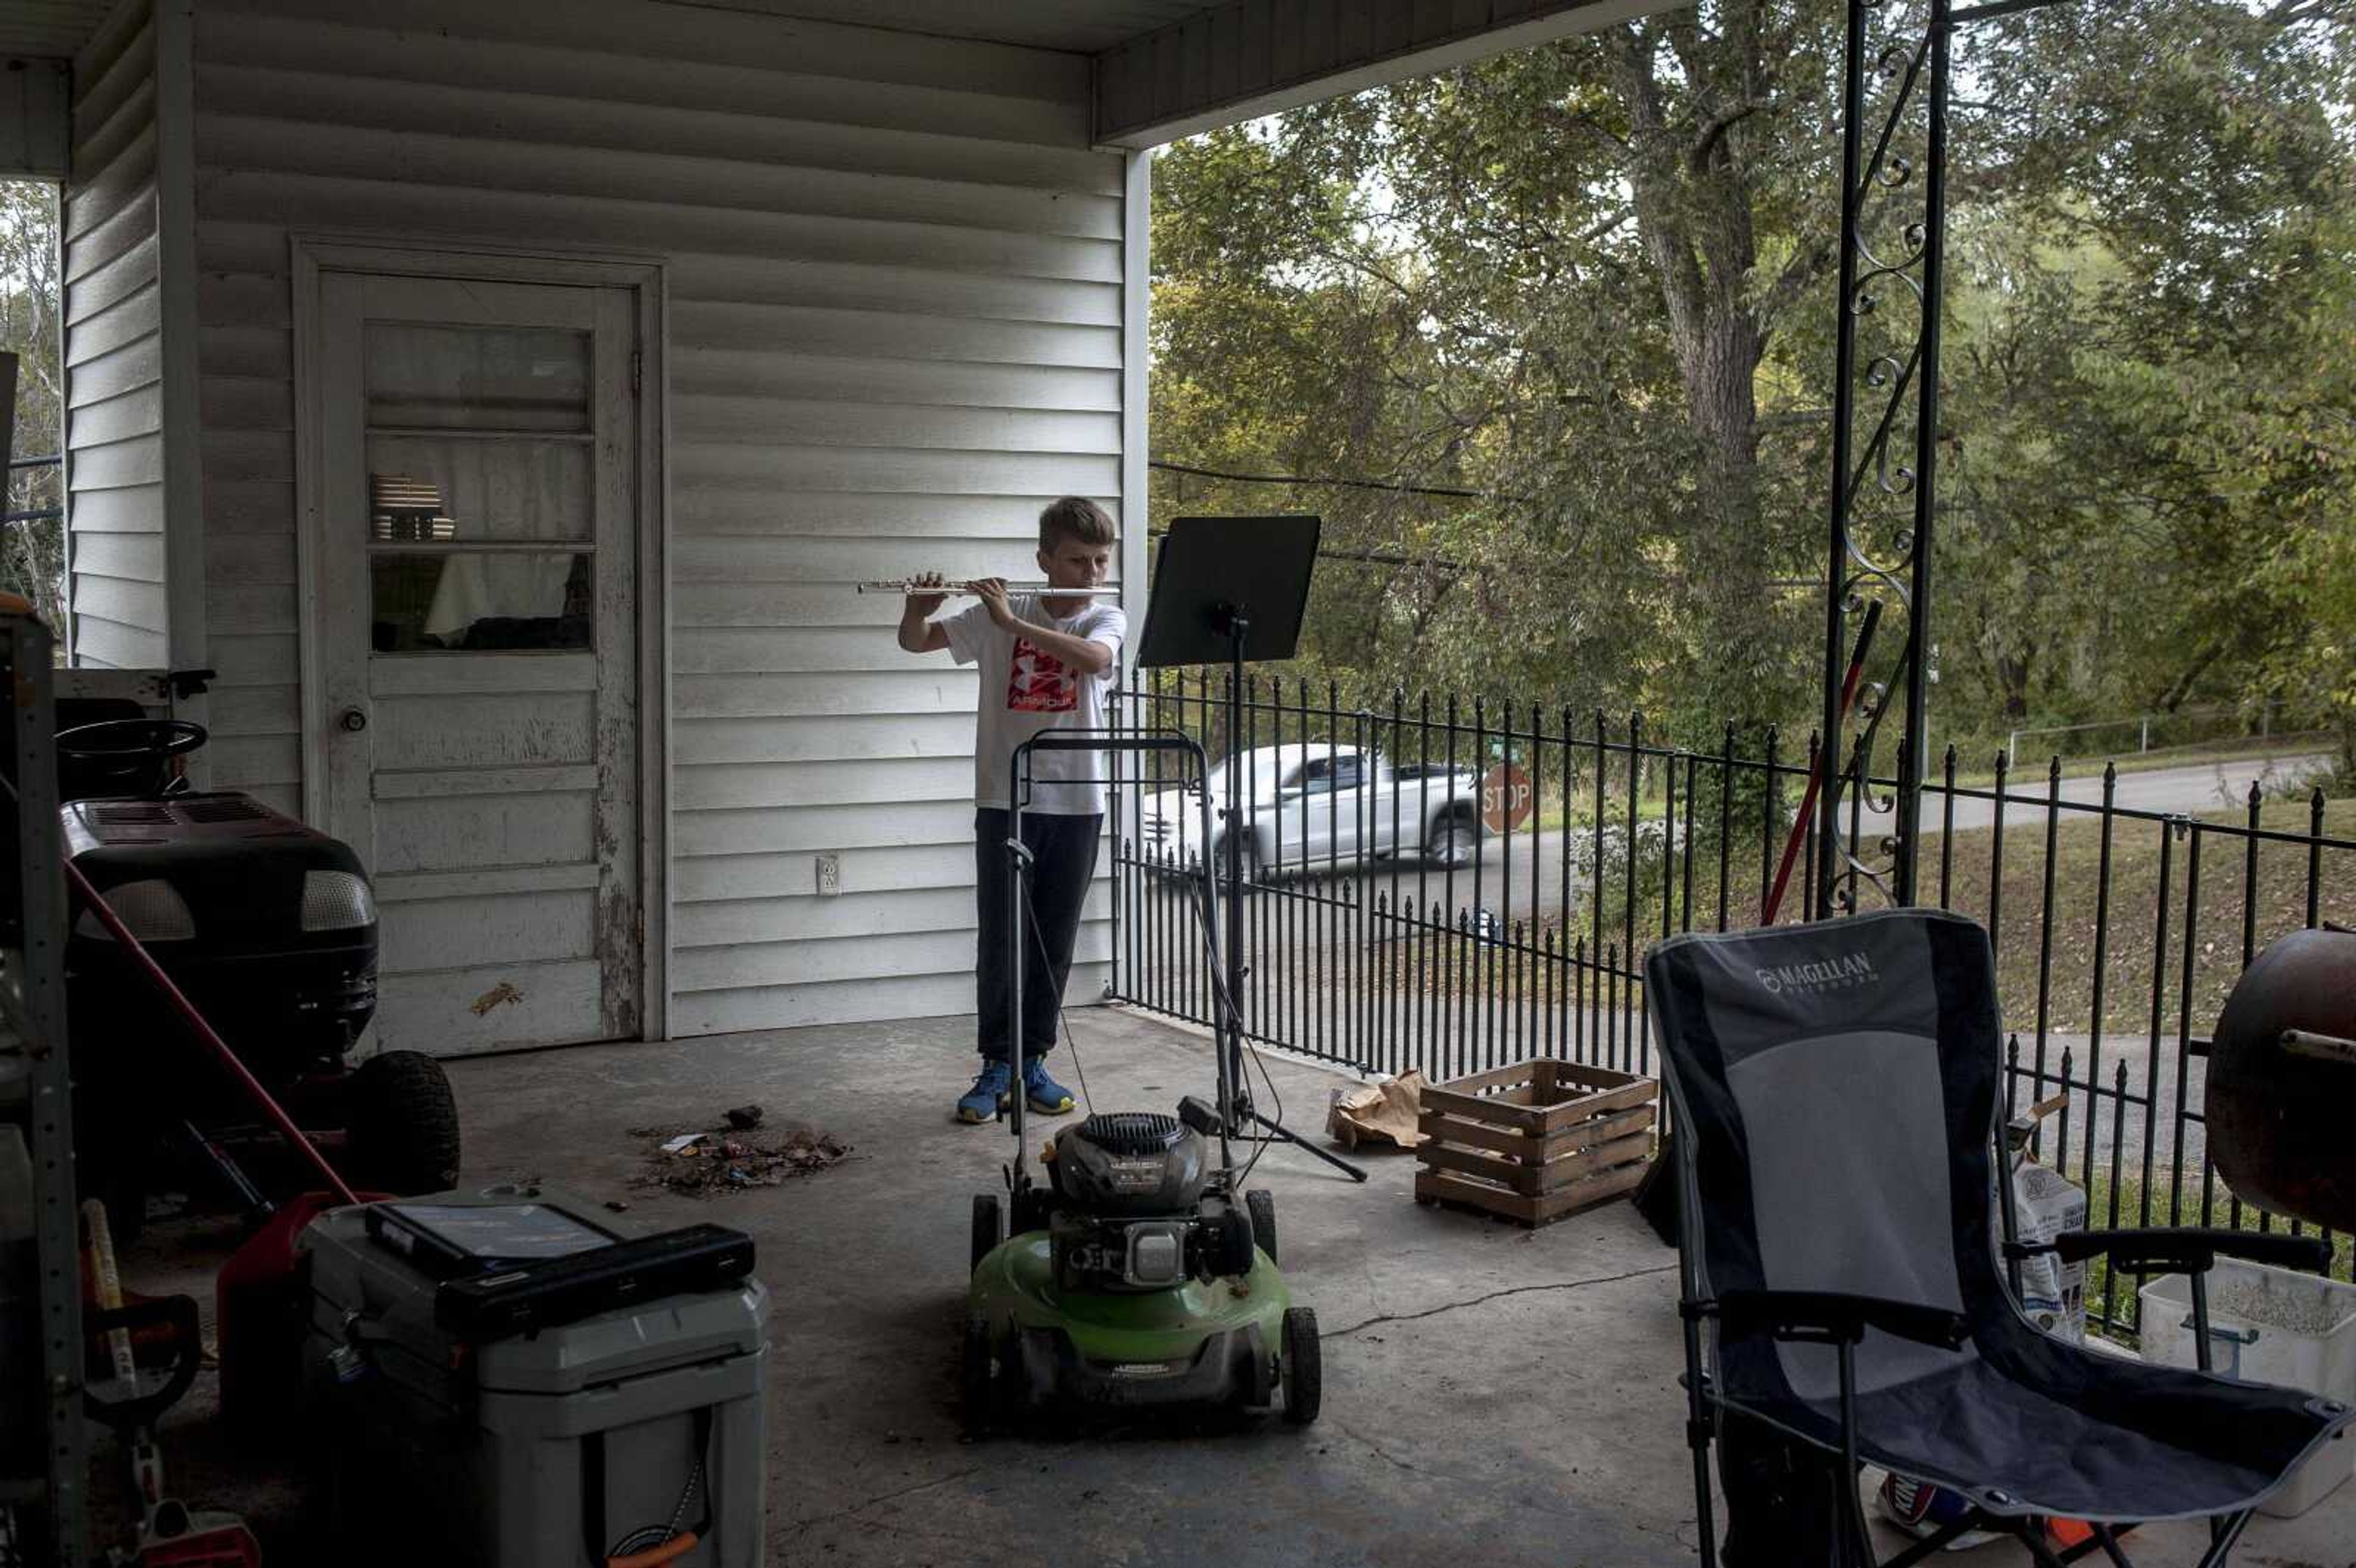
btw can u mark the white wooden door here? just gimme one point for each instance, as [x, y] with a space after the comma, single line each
[479, 650]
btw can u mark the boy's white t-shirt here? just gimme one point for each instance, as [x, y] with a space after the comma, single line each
[1027, 689]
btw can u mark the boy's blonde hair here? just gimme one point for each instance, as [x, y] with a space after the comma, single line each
[1077, 519]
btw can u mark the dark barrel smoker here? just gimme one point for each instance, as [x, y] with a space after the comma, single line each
[2282, 1081]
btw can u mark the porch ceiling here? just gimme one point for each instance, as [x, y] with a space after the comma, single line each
[1165, 69]
[58, 28]
[1074, 27]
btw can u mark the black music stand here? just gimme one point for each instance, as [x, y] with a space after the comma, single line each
[1226, 590]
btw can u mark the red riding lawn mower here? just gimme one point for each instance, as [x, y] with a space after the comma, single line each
[270, 930]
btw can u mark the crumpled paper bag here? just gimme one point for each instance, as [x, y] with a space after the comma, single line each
[1377, 1113]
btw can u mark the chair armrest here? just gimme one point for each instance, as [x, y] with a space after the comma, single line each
[2187, 1250]
[1836, 1316]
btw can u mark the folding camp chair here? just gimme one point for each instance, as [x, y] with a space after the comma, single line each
[1835, 1091]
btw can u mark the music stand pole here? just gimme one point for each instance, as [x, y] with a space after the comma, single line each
[1237, 625]
[1194, 618]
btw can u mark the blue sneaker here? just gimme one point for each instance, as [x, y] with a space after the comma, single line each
[981, 1102]
[1045, 1094]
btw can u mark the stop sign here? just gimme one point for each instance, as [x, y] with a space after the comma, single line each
[1507, 799]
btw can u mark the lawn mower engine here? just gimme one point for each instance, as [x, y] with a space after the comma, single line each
[1135, 1214]
[1134, 1276]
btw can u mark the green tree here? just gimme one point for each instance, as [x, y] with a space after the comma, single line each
[1561, 292]
[32, 552]
[1574, 305]
[2149, 403]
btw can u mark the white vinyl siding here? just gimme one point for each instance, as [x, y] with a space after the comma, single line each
[115, 360]
[894, 276]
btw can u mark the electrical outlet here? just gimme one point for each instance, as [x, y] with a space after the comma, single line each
[829, 875]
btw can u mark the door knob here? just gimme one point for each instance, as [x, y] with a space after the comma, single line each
[353, 720]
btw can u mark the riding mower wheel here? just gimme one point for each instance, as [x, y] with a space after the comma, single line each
[404, 1124]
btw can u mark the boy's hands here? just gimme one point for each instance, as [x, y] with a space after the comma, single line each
[922, 605]
[992, 592]
[918, 633]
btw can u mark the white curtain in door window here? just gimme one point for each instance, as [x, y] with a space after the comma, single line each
[474, 587]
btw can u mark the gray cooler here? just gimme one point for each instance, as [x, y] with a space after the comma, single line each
[516, 1452]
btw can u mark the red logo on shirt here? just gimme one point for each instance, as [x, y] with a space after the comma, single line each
[1039, 682]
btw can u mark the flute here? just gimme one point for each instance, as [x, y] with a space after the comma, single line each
[910, 585]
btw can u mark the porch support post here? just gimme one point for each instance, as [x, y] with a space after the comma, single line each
[1829, 753]
[1878, 269]
[1916, 765]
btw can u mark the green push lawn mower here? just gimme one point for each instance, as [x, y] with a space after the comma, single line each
[1138, 1274]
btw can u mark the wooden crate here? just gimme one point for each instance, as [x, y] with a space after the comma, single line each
[1535, 1141]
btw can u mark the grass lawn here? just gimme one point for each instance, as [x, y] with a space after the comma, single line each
[1971, 775]
[2272, 895]
[2270, 898]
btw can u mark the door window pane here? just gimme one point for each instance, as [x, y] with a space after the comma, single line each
[475, 378]
[480, 600]
[466, 490]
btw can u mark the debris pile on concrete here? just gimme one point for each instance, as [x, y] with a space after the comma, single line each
[731, 1159]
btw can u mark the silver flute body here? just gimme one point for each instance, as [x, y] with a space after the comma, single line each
[910, 585]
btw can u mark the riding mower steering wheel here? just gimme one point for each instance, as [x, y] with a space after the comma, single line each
[127, 755]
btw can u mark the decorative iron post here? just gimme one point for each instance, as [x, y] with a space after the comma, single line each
[1894, 87]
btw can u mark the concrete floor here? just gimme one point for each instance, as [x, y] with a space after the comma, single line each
[1490, 1392]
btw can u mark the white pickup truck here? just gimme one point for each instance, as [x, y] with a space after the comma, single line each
[1313, 804]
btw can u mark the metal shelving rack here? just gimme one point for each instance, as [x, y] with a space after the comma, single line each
[45, 1490]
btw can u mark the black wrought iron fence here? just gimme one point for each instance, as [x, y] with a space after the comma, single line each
[1452, 884]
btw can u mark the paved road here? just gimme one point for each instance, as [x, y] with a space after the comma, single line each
[2201, 787]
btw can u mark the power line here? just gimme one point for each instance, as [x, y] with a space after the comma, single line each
[1441, 563]
[1335, 483]
[1376, 557]
[1366, 557]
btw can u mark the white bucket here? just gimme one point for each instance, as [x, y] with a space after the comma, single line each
[2268, 1326]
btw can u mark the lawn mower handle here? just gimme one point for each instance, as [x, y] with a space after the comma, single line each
[1230, 1026]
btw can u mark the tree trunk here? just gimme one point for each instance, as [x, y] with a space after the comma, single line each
[1693, 213]
[2181, 687]
[2012, 680]
[1730, 552]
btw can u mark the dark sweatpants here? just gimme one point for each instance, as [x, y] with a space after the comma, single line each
[1064, 850]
